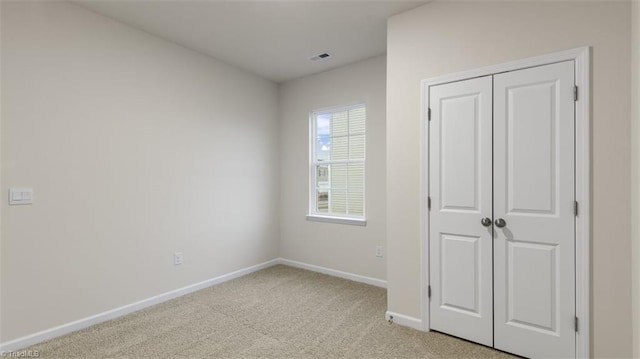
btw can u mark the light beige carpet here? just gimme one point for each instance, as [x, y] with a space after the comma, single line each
[278, 312]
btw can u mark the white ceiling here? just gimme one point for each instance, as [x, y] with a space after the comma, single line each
[273, 39]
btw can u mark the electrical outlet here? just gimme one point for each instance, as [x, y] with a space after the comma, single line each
[177, 258]
[378, 251]
[20, 196]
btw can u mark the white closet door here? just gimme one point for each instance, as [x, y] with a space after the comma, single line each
[460, 189]
[534, 194]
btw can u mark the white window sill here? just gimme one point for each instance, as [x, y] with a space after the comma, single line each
[338, 220]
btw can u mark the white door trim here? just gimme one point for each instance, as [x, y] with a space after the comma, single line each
[581, 56]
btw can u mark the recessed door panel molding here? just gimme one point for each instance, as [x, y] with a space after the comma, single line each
[532, 143]
[459, 141]
[534, 196]
[460, 273]
[460, 180]
[532, 297]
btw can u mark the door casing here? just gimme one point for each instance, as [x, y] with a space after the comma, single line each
[581, 57]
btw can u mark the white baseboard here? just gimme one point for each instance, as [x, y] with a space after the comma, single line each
[67, 328]
[404, 320]
[335, 273]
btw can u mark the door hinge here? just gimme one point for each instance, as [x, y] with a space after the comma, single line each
[576, 324]
[429, 291]
[429, 203]
[575, 93]
[429, 113]
[575, 208]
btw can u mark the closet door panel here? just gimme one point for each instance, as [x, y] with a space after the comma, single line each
[460, 190]
[534, 274]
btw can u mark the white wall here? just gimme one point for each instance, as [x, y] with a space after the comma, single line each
[1, 180]
[635, 165]
[136, 148]
[336, 246]
[448, 37]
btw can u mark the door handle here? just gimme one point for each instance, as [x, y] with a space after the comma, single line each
[486, 221]
[500, 223]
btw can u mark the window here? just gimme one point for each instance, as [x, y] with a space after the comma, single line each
[337, 165]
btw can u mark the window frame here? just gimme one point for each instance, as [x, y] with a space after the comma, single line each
[313, 214]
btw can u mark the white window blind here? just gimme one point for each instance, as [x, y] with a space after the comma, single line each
[337, 173]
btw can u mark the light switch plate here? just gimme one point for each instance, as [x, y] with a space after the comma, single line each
[19, 196]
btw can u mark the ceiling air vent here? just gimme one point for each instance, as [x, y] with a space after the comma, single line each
[322, 56]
